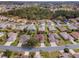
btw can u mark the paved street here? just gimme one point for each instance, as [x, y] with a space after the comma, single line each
[56, 48]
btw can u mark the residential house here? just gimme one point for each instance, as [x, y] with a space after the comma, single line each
[24, 38]
[66, 36]
[62, 28]
[31, 27]
[52, 38]
[12, 36]
[75, 35]
[40, 37]
[42, 26]
[71, 26]
[51, 26]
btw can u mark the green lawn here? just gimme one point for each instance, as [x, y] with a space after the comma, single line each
[8, 53]
[47, 43]
[76, 50]
[15, 42]
[31, 55]
[63, 42]
[3, 40]
[53, 54]
[44, 54]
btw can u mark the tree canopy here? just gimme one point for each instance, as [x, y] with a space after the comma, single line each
[30, 43]
[32, 13]
[38, 13]
[66, 14]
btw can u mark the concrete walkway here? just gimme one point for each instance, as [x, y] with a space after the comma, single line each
[42, 45]
[53, 44]
[72, 51]
[19, 44]
[8, 43]
[37, 54]
[73, 41]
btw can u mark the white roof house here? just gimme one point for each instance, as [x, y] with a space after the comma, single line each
[12, 36]
[21, 27]
[56, 36]
[31, 27]
[66, 36]
[24, 38]
[51, 26]
[71, 26]
[42, 27]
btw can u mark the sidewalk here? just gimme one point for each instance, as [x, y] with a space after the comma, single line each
[72, 51]
[53, 44]
[37, 54]
[73, 41]
[19, 44]
[42, 45]
[8, 43]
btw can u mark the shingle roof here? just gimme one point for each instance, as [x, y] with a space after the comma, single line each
[75, 35]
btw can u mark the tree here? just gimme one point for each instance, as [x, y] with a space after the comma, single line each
[30, 43]
[31, 13]
[66, 50]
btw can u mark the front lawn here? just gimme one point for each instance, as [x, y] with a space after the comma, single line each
[63, 42]
[15, 42]
[53, 54]
[47, 43]
[44, 54]
[3, 39]
[31, 54]
[76, 50]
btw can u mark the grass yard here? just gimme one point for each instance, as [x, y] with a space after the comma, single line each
[53, 54]
[31, 55]
[15, 42]
[63, 42]
[44, 54]
[3, 40]
[47, 43]
[76, 50]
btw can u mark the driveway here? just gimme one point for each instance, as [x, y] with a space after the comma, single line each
[73, 41]
[37, 54]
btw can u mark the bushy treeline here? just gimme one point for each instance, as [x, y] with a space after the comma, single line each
[37, 13]
[31, 13]
[66, 14]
